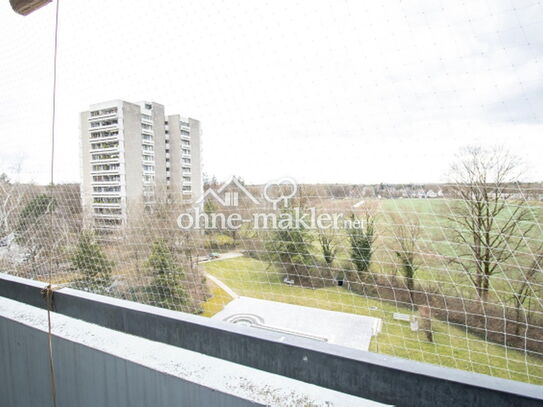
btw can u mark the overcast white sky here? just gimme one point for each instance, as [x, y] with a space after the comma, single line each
[321, 91]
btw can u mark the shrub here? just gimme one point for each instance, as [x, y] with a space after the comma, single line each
[220, 242]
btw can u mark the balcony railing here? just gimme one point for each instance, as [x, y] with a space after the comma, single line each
[106, 113]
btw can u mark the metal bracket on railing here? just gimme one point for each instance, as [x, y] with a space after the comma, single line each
[47, 292]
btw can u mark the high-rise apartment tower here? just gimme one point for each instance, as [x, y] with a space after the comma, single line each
[132, 155]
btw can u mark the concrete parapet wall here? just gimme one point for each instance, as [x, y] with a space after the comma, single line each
[372, 376]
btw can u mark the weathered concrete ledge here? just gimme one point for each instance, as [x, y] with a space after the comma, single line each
[97, 366]
[372, 376]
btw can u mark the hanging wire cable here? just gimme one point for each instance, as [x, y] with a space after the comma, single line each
[49, 289]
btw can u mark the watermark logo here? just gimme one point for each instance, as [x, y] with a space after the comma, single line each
[237, 206]
[275, 192]
[228, 194]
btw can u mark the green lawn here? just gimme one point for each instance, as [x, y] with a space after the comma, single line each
[452, 345]
[219, 298]
[435, 245]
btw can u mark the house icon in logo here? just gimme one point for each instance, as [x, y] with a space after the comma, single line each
[229, 194]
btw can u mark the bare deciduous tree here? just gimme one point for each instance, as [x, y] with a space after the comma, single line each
[11, 198]
[425, 318]
[529, 287]
[489, 219]
[328, 245]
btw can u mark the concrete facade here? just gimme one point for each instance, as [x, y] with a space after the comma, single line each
[184, 157]
[133, 154]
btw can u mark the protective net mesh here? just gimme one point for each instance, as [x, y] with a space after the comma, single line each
[447, 272]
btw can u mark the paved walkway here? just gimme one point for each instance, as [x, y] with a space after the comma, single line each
[218, 282]
[223, 256]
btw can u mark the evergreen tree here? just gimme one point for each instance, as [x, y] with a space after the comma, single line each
[166, 289]
[291, 245]
[407, 234]
[361, 240]
[290, 248]
[90, 260]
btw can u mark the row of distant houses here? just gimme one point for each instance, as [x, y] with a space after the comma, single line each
[397, 192]
[419, 193]
[235, 193]
[423, 194]
[430, 194]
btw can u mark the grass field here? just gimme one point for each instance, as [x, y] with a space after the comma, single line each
[435, 246]
[219, 298]
[452, 346]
